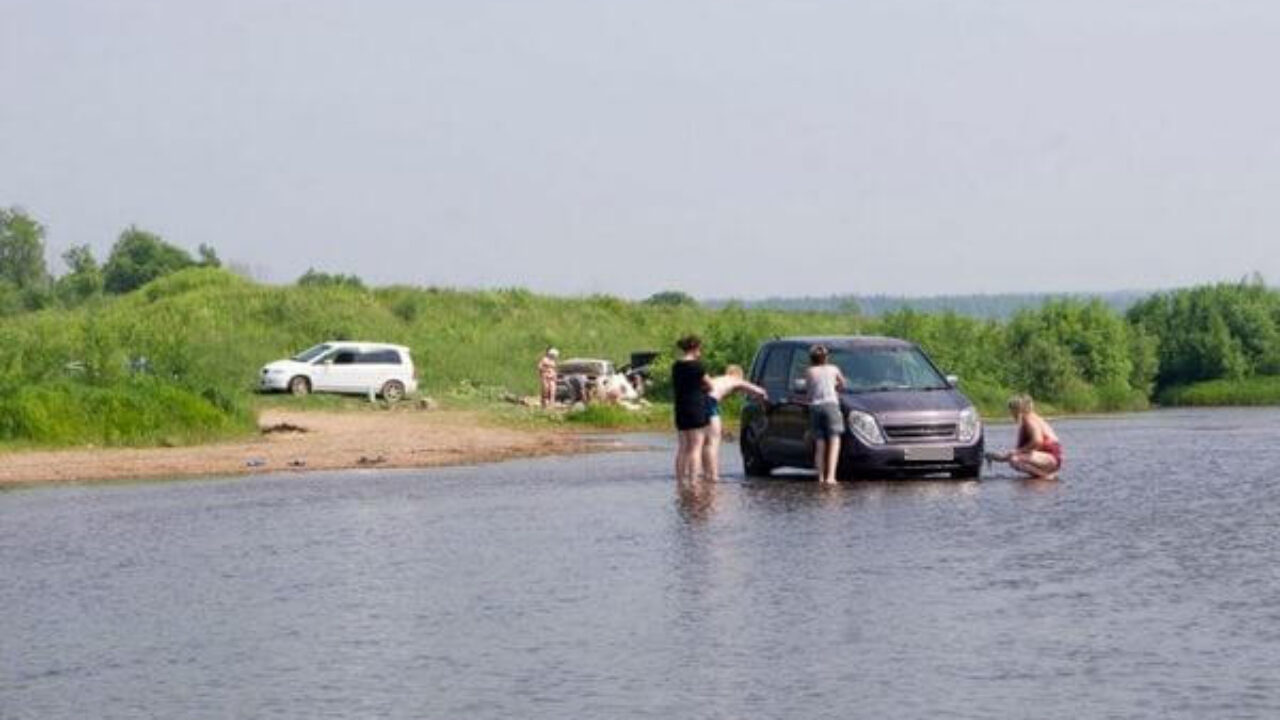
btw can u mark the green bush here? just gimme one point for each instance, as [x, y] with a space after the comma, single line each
[200, 334]
[144, 412]
[1263, 390]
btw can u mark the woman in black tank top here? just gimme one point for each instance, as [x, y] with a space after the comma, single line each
[690, 384]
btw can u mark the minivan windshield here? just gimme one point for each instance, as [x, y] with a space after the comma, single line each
[312, 353]
[887, 368]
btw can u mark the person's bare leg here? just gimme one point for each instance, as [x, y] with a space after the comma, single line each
[697, 439]
[711, 449]
[833, 459]
[820, 458]
[1039, 465]
[682, 452]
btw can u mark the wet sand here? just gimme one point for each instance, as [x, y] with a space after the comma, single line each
[303, 440]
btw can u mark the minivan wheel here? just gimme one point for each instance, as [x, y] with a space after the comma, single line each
[753, 463]
[393, 391]
[299, 386]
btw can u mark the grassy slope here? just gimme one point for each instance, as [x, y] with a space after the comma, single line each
[204, 334]
[1264, 390]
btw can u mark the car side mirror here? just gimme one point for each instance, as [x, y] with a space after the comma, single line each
[799, 386]
[953, 380]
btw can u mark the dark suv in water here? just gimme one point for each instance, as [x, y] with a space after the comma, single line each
[902, 416]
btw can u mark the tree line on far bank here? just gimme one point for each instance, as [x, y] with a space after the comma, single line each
[1208, 345]
[1223, 340]
[136, 258]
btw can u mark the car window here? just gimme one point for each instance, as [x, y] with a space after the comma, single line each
[887, 369]
[776, 365]
[345, 357]
[380, 357]
[799, 363]
[312, 353]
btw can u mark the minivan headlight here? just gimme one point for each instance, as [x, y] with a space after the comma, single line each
[969, 426]
[864, 425]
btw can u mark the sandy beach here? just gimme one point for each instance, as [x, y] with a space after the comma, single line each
[299, 441]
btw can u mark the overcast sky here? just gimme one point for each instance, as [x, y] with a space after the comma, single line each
[734, 148]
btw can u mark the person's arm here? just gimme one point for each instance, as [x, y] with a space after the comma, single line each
[753, 390]
[841, 383]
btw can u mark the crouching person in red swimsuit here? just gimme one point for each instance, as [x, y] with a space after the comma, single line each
[1039, 454]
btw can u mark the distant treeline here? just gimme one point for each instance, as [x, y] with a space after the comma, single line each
[1000, 306]
[167, 351]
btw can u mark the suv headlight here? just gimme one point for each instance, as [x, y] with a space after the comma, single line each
[969, 425]
[864, 425]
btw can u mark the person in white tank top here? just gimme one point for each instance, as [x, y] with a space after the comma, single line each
[824, 383]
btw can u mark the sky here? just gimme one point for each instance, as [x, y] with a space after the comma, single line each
[742, 148]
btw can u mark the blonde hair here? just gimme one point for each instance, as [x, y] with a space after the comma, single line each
[733, 370]
[1021, 404]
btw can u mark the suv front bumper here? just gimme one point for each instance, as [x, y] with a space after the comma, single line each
[892, 459]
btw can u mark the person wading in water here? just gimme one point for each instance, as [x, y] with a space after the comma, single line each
[690, 384]
[824, 383]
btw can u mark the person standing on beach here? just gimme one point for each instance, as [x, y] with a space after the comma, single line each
[547, 376]
[824, 383]
[690, 384]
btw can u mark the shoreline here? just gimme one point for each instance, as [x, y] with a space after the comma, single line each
[302, 441]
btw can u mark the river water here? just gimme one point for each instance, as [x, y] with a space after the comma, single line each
[1144, 584]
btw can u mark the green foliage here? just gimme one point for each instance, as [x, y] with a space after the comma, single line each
[138, 257]
[315, 278]
[22, 263]
[143, 411]
[193, 340]
[671, 298]
[83, 280]
[208, 256]
[1260, 390]
[617, 417]
[1211, 332]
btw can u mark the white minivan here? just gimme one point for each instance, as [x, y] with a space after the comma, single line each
[344, 367]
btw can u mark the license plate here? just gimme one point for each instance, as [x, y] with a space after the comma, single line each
[929, 454]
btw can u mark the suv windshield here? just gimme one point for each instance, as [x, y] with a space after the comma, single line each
[880, 369]
[311, 353]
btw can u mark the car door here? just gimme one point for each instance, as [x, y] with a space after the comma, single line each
[379, 367]
[777, 436]
[794, 442]
[342, 372]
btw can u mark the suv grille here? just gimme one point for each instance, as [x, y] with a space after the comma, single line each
[913, 433]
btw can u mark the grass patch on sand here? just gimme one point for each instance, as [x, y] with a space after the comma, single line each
[1245, 392]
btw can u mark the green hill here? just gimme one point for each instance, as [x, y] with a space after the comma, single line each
[176, 360]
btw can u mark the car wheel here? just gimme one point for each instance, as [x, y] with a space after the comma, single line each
[393, 391]
[299, 386]
[753, 462]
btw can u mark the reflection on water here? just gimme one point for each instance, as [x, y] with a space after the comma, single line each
[1141, 585]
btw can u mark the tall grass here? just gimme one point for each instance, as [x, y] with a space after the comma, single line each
[177, 360]
[1261, 390]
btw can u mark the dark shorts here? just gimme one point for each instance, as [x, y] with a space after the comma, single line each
[713, 407]
[692, 416]
[826, 421]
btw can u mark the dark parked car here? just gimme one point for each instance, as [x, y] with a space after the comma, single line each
[902, 416]
[639, 370]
